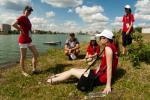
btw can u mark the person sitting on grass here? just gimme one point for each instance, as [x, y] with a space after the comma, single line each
[72, 47]
[109, 61]
[93, 50]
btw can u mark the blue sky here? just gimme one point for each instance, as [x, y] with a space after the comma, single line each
[76, 15]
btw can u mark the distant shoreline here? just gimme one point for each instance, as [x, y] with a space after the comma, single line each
[8, 64]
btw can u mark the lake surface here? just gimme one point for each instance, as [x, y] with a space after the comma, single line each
[9, 49]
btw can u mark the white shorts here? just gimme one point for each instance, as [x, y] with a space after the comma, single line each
[25, 45]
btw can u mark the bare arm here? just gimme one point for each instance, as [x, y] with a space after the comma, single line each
[15, 25]
[76, 47]
[109, 57]
[129, 28]
[66, 47]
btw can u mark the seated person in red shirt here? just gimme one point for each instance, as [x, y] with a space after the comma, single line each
[109, 61]
[93, 50]
[72, 47]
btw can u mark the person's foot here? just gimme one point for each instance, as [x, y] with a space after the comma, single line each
[25, 74]
[50, 81]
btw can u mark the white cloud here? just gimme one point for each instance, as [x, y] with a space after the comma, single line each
[37, 20]
[142, 11]
[142, 17]
[7, 19]
[117, 23]
[50, 14]
[85, 10]
[70, 11]
[40, 23]
[16, 5]
[63, 3]
[93, 17]
[91, 14]
[70, 26]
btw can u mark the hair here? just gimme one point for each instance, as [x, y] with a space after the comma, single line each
[29, 8]
[115, 42]
[128, 10]
[72, 34]
[95, 43]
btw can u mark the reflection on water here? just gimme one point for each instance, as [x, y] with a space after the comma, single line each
[9, 49]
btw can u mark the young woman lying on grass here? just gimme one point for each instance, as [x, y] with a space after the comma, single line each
[109, 60]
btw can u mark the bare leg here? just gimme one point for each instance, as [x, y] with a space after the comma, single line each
[67, 52]
[23, 52]
[34, 56]
[123, 50]
[77, 51]
[67, 74]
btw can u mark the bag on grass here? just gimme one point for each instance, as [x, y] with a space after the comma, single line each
[85, 84]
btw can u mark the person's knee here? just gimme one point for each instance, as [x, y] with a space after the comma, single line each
[22, 57]
[72, 70]
[66, 52]
[35, 55]
[77, 51]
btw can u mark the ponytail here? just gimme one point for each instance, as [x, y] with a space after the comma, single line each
[116, 43]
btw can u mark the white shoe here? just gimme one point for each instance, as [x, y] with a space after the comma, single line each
[25, 74]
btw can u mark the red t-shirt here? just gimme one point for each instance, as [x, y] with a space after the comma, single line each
[127, 19]
[25, 25]
[93, 49]
[103, 76]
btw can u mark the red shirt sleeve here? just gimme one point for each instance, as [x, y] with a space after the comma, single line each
[20, 20]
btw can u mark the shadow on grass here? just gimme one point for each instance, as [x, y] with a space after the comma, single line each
[56, 69]
[120, 73]
[81, 56]
[145, 56]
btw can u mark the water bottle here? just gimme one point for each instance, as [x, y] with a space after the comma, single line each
[73, 56]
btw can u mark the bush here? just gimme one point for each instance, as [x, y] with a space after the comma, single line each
[138, 51]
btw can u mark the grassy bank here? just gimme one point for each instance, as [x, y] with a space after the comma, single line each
[129, 84]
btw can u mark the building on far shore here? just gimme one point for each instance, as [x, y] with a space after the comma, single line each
[5, 27]
[146, 29]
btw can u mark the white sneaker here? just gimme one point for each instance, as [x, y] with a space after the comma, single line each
[25, 74]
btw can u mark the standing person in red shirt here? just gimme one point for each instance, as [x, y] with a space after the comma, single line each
[127, 29]
[109, 61]
[23, 25]
[93, 50]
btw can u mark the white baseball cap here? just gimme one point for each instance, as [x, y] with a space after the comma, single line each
[106, 33]
[93, 38]
[127, 6]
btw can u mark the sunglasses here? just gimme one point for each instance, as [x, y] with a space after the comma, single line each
[102, 37]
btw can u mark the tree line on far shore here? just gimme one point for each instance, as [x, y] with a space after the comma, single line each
[36, 32]
[137, 29]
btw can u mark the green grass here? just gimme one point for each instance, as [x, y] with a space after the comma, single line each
[129, 84]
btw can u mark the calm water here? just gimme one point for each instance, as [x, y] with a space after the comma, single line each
[9, 49]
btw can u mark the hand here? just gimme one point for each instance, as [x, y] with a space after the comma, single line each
[127, 32]
[21, 31]
[107, 90]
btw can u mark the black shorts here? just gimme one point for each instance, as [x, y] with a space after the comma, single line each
[126, 39]
[96, 81]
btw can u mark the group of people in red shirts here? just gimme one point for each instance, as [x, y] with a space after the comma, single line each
[109, 56]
